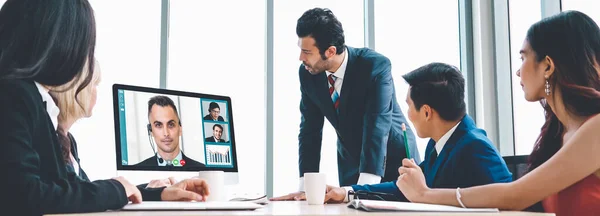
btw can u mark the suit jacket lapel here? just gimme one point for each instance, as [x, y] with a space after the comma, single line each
[348, 83]
[428, 168]
[322, 89]
[443, 155]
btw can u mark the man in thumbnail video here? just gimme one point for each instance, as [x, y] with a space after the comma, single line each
[214, 112]
[217, 133]
[165, 128]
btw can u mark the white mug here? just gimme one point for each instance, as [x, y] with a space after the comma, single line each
[314, 187]
[216, 184]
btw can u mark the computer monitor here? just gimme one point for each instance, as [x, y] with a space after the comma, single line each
[173, 131]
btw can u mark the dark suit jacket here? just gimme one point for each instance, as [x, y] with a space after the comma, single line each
[36, 180]
[212, 139]
[208, 117]
[148, 194]
[468, 159]
[153, 161]
[368, 125]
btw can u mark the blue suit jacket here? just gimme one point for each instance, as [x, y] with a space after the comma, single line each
[368, 124]
[467, 159]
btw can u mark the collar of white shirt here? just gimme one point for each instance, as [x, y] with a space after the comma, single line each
[51, 107]
[339, 74]
[164, 163]
[440, 144]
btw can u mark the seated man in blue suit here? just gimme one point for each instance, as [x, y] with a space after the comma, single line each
[459, 154]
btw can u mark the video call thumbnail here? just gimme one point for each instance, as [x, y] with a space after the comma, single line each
[214, 110]
[216, 132]
[218, 155]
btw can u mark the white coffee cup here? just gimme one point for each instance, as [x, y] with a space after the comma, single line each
[314, 187]
[216, 184]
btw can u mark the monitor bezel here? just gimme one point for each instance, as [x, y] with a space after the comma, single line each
[120, 166]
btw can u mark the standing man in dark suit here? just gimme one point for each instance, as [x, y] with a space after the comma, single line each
[458, 154]
[353, 88]
[165, 128]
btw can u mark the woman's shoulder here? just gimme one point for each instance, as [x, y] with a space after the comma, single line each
[19, 94]
[593, 120]
[15, 87]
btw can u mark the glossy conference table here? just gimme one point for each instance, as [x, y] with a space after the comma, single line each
[297, 208]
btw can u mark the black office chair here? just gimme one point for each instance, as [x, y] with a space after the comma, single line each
[517, 165]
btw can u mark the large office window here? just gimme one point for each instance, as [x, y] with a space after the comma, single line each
[128, 50]
[528, 116]
[588, 7]
[287, 87]
[407, 34]
[217, 48]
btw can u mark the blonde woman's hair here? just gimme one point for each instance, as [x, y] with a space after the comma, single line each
[71, 107]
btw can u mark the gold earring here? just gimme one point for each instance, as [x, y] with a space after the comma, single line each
[547, 87]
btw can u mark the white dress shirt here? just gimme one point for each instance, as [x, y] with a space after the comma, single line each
[339, 74]
[363, 178]
[440, 143]
[438, 148]
[51, 107]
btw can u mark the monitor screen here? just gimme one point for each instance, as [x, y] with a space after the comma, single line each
[158, 129]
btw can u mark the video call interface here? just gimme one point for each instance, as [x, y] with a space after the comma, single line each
[171, 130]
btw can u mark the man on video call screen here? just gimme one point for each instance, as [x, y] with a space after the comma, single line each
[165, 129]
[217, 134]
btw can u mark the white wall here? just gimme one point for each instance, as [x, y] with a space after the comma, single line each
[528, 116]
[412, 34]
[218, 47]
[128, 49]
[191, 116]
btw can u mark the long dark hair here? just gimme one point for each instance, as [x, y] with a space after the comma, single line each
[48, 41]
[572, 40]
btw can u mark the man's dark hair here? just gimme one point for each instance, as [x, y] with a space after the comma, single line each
[324, 27]
[217, 125]
[213, 105]
[162, 101]
[441, 86]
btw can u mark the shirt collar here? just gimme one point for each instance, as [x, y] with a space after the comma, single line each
[164, 163]
[440, 144]
[51, 107]
[342, 69]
